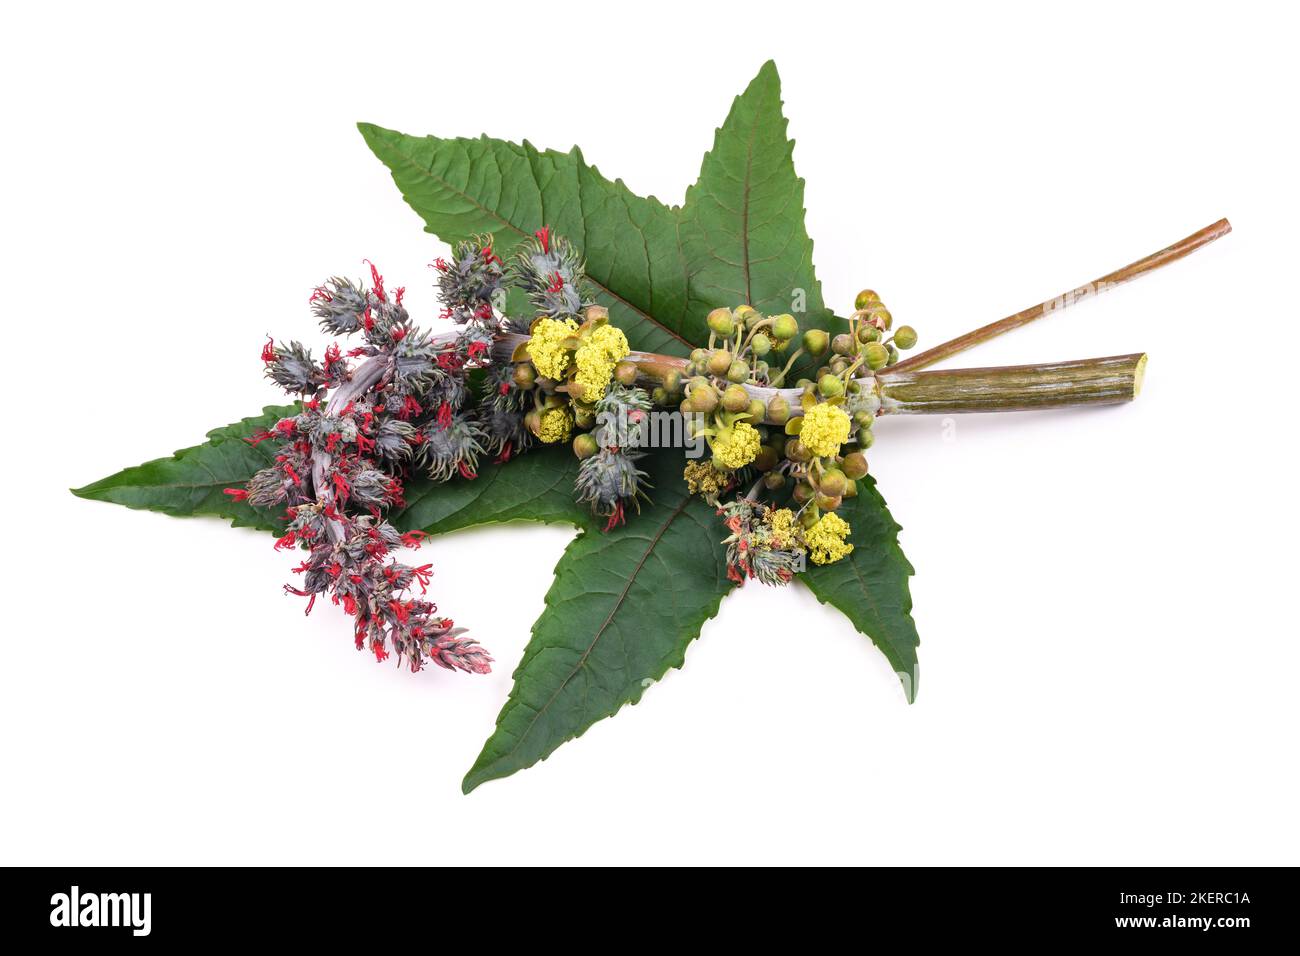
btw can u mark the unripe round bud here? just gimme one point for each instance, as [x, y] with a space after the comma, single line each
[832, 483]
[842, 344]
[866, 438]
[778, 410]
[854, 465]
[838, 365]
[850, 488]
[864, 333]
[721, 322]
[672, 380]
[803, 492]
[863, 419]
[884, 318]
[854, 386]
[525, 376]
[809, 518]
[795, 450]
[738, 372]
[877, 356]
[784, 327]
[584, 446]
[865, 298]
[766, 459]
[760, 368]
[719, 362]
[746, 314]
[595, 313]
[533, 421]
[625, 373]
[761, 344]
[816, 341]
[893, 353]
[828, 502]
[704, 399]
[584, 417]
[757, 410]
[773, 480]
[699, 356]
[905, 337]
[830, 386]
[735, 399]
[659, 396]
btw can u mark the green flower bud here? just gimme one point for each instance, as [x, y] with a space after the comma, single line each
[795, 450]
[784, 327]
[761, 344]
[884, 317]
[803, 492]
[842, 344]
[525, 376]
[863, 419]
[672, 381]
[864, 333]
[584, 446]
[735, 399]
[838, 365]
[865, 298]
[809, 518]
[850, 488]
[757, 410]
[719, 362]
[866, 438]
[773, 480]
[747, 315]
[877, 356]
[828, 502]
[704, 399]
[778, 410]
[905, 337]
[659, 396]
[584, 417]
[854, 465]
[760, 368]
[738, 371]
[699, 356]
[721, 322]
[830, 386]
[893, 353]
[766, 459]
[832, 483]
[816, 341]
[625, 373]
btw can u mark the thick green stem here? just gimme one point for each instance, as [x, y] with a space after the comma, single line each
[1014, 388]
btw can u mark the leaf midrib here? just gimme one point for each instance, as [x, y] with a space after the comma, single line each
[654, 542]
[506, 222]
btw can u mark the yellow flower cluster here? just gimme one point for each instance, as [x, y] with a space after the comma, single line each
[596, 357]
[825, 539]
[546, 347]
[785, 533]
[702, 478]
[556, 425]
[825, 429]
[737, 446]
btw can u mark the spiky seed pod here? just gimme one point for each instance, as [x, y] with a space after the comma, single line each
[293, 369]
[609, 481]
[468, 283]
[451, 449]
[549, 269]
[340, 305]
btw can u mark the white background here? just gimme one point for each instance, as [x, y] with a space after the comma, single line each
[1105, 597]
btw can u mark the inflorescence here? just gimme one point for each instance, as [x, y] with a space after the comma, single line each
[401, 403]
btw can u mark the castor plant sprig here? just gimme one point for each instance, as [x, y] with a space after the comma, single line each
[578, 309]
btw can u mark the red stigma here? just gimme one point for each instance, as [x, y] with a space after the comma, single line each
[268, 350]
[544, 237]
[557, 283]
[239, 494]
[377, 280]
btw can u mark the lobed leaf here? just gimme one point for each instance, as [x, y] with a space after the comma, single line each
[870, 585]
[622, 610]
[192, 481]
